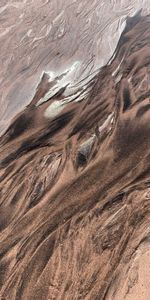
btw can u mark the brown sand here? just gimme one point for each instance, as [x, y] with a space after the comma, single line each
[75, 185]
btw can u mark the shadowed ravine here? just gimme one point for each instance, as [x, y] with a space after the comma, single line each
[75, 183]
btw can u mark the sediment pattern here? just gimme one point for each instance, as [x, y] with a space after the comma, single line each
[75, 183]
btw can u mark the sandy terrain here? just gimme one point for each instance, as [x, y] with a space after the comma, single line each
[75, 152]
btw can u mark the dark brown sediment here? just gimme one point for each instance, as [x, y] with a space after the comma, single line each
[75, 183]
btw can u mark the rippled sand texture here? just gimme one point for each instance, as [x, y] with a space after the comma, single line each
[75, 162]
[56, 36]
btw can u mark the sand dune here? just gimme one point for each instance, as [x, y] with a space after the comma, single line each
[75, 182]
